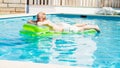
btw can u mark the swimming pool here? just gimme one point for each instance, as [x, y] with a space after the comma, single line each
[72, 49]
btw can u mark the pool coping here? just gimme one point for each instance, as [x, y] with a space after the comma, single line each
[25, 15]
[20, 15]
[19, 64]
[93, 15]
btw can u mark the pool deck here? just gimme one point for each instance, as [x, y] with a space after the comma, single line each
[18, 64]
[33, 10]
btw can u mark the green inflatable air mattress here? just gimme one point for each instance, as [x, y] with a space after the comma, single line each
[34, 30]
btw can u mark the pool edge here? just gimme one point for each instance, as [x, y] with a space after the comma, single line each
[18, 64]
[24, 14]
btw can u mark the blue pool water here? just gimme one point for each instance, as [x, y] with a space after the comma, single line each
[101, 51]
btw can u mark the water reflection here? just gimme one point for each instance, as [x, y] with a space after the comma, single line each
[73, 50]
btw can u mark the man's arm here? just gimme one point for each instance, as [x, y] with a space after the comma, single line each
[32, 22]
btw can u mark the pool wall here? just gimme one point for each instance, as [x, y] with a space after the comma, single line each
[12, 6]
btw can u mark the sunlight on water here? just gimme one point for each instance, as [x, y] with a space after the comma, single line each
[93, 51]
